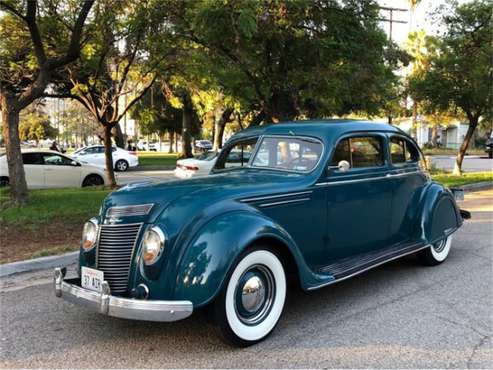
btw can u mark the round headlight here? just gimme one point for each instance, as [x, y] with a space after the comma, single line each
[153, 245]
[89, 235]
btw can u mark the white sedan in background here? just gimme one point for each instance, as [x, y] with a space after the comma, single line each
[200, 165]
[94, 155]
[50, 169]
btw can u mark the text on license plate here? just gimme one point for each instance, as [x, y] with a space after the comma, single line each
[91, 279]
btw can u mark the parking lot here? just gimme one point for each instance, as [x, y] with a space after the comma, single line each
[398, 315]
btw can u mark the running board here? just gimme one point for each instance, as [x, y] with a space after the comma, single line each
[352, 266]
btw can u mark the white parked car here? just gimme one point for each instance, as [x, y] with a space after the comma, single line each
[200, 165]
[144, 145]
[50, 169]
[94, 155]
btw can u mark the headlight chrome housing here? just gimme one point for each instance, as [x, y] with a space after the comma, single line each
[89, 234]
[152, 245]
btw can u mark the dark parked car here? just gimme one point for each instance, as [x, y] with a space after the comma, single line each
[489, 147]
[320, 200]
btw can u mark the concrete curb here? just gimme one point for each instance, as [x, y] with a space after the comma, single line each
[485, 185]
[152, 168]
[42, 263]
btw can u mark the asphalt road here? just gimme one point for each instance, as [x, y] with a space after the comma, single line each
[400, 315]
[470, 163]
[123, 178]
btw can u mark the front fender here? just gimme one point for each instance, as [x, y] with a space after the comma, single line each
[212, 253]
[440, 215]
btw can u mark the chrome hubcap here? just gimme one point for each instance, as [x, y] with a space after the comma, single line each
[254, 295]
[440, 246]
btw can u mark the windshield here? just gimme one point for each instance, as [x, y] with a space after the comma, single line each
[206, 156]
[288, 153]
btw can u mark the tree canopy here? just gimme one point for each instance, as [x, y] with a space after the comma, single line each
[459, 75]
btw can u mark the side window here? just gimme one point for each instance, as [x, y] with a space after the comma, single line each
[237, 155]
[56, 160]
[342, 153]
[32, 158]
[366, 152]
[412, 153]
[402, 151]
[397, 150]
[359, 152]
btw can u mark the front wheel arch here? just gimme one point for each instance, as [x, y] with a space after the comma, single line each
[204, 265]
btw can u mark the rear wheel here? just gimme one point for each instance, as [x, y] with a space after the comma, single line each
[121, 165]
[4, 181]
[436, 253]
[251, 302]
[93, 180]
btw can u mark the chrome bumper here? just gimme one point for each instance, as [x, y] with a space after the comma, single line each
[126, 308]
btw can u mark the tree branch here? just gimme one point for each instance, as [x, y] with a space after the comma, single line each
[136, 98]
[10, 9]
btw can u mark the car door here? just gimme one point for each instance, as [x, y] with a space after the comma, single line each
[407, 180]
[60, 171]
[359, 198]
[33, 167]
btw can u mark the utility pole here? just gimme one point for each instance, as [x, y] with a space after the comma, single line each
[390, 11]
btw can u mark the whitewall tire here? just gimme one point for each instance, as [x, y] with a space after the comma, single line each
[252, 299]
[436, 253]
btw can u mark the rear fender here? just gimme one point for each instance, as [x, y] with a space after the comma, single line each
[440, 215]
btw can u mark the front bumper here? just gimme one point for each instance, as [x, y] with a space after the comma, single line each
[126, 308]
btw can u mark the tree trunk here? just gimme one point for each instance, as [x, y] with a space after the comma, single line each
[219, 126]
[118, 135]
[473, 123]
[434, 135]
[17, 177]
[187, 121]
[171, 139]
[257, 120]
[414, 126]
[108, 154]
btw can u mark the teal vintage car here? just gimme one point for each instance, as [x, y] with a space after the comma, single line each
[319, 200]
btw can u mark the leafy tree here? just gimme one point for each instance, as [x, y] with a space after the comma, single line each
[38, 38]
[156, 114]
[36, 126]
[460, 75]
[306, 58]
[118, 64]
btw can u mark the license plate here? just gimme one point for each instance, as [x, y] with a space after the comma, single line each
[91, 279]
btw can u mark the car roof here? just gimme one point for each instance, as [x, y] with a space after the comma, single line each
[41, 150]
[321, 128]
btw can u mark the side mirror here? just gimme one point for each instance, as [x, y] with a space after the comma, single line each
[342, 166]
[75, 164]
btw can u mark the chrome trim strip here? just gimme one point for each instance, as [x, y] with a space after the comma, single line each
[130, 210]
[126, 308]
[267, 197]
[367, 268]
[387, 176]
[283, 202]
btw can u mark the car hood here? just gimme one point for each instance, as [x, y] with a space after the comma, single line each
[184, 199]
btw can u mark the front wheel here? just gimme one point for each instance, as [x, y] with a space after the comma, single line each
[436, 253]
[251, 302]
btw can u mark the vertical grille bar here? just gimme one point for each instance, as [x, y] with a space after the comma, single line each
[116, 245]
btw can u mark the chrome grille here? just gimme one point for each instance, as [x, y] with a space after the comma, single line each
[115, 248]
